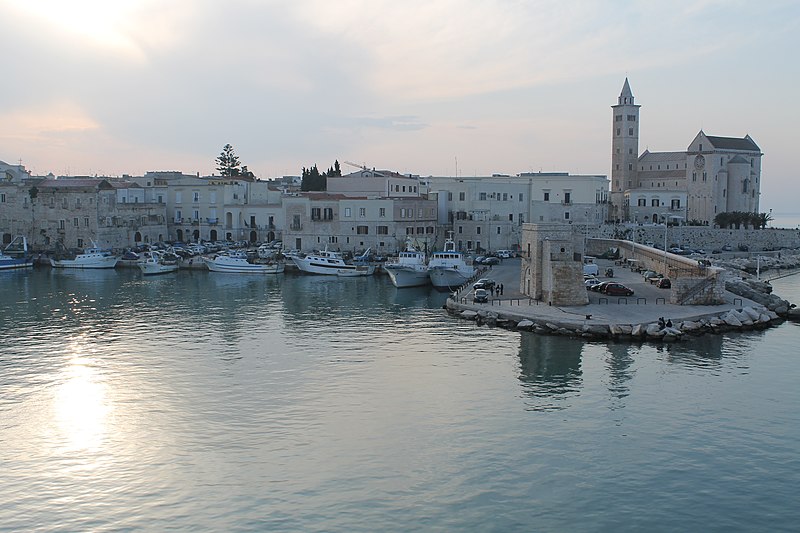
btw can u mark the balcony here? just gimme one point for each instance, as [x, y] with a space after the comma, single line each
[296, 227]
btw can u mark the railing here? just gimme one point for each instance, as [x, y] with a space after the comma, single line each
[296, 227]
[700, 288]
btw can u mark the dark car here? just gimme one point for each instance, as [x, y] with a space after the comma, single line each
[664, 283]
[484, 283]
[491, 261]
[616, 289]
[480, 296]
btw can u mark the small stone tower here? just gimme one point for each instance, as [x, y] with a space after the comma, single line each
[552, 267]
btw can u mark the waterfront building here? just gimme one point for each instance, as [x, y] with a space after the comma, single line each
[487, 212]
[314, 220]
[212, 208]
[713, 175]
[74, 212]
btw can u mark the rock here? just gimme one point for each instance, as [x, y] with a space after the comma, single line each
[669, 337]
[782, 309]
[654, 330]
[751, 313]
[732, 320]
[599, 331]
[793, 314]
[638, 330]
[615, 330]
[551, 326]
[690, 327]
[672, 331]
[764, 318]
[469, 315]
[626, 330]
[525, 324]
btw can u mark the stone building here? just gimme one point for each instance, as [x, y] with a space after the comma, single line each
[713, 175]
[314, 220]
[552, 264]
[77, 212]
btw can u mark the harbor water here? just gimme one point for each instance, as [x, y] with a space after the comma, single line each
[199, 401]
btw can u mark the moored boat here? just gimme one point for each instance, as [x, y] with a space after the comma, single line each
[15, 255]
[158, 263]
[90, 258]
[332, 264]
[448, 269]
[409, 269]
[241, 264]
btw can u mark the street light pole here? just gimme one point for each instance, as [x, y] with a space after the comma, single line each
[666, 273]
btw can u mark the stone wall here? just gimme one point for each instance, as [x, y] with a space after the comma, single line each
[702, 237]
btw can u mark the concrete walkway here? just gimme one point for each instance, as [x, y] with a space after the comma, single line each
[647, 304]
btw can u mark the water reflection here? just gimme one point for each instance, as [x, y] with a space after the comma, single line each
[550, 370]
[618, 364]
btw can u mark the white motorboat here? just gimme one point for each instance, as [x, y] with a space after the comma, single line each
[331, 264]
[239, 263]
[158, 263]
[410, 269]
[447, 269]
[90, 258]
[15, 255]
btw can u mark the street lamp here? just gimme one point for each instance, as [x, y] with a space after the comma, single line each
[665, 215]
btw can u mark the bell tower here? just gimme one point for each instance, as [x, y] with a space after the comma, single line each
[624, 150]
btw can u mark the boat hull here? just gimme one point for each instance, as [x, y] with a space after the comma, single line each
[241, 266]
[408, 277]
[11, 263]
[447, 279]
[95, 262]
[151, 269]
[332, 268]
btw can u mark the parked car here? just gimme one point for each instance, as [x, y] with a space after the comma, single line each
[480, 296]
[727, 248]
[590, 282]
[664, 283]
[505, 254]
[491, 261]
[484, 283]
[479, 259]
[617, 289]
[598, 287]
[649, 274]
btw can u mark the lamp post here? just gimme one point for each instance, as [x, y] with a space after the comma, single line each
[666, 273]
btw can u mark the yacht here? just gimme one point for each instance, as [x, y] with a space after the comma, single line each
[410, 269]
[90, 258]
[447, 269]
[332, 264]
[158, 263]
[15, 255]
[240, 263]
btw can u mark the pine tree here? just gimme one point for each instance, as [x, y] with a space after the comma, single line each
[228, 162]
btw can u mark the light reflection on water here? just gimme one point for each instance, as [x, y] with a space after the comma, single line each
[204, 401]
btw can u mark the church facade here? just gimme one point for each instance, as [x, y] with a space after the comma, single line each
[714, 175]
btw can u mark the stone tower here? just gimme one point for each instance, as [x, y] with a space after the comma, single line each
[624, 150]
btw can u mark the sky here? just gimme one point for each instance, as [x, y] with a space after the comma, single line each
[429, 87]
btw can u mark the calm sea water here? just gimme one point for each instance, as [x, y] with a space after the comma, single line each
[202, 401]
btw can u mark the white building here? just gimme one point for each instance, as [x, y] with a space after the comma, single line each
[487, 212]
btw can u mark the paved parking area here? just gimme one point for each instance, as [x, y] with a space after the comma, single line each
[647, 304]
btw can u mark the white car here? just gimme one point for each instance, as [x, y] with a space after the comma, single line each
[591, 282]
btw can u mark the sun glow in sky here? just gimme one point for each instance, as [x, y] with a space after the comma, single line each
[127, 86]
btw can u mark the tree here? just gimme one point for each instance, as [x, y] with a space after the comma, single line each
[228, 162]
[314, 181]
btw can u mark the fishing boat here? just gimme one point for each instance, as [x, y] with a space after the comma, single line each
[158, 263]
[240, 263]
[447, 269]
[332, 264]
[15, 255]
[410, 269]
[93, 257]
